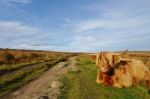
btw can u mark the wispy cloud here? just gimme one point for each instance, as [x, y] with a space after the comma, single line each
[119, 15]
[14, 2]
[115, 41]
[112, 26]
[16, 28]
[39, 46]
[45, 46]
[19, 35]
[125, 23]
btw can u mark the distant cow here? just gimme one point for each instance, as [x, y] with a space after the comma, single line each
[117, 71]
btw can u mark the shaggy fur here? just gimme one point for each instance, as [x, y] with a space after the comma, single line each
[128, 73]
[117, 71]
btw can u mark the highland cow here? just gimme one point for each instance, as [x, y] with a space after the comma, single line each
[119, 71]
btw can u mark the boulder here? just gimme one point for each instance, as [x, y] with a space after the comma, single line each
[57, 84]
[16, 93]
[75, 69]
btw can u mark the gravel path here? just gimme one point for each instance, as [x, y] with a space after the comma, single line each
[40, 88]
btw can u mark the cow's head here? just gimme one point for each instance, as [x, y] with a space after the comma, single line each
[107, 60]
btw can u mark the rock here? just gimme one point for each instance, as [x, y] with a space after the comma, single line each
[43, 97]
[16, 93]
[57, 84]
[75, 69]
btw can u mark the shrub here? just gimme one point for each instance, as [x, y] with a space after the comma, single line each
[7, 57]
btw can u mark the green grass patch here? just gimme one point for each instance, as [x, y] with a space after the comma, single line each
[83, 85]
[13, 66]
[12, 81]
[21, 81]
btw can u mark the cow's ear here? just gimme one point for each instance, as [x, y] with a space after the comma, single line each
[93, 57]
[116, 59]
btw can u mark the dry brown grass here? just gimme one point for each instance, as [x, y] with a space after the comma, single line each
[8, 56]
[144, 56]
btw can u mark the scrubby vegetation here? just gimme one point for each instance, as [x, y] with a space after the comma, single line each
[83, 85]
[9, 56]
[144, 56]
[18, 67]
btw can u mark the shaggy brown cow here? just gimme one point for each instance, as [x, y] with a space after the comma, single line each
[130, 72]
[118, 71]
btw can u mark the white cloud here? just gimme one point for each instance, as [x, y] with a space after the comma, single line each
[16, 28]
[39, 46]
[19, 1]
[13, 2]
[19, 35]
[89, 43]
[115, 41]
[43, 46]
[126, 23]
[121, 14]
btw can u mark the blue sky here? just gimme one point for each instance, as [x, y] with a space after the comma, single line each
[75, 25]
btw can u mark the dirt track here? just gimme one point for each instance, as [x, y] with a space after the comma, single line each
[41, 86]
